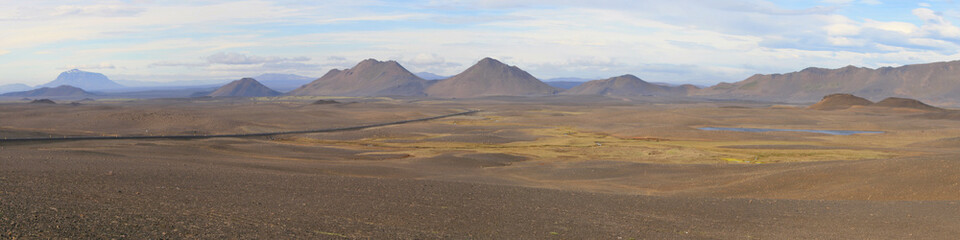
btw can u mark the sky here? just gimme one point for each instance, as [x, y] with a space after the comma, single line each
[679, 41]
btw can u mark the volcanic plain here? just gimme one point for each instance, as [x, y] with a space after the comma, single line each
[551, 167]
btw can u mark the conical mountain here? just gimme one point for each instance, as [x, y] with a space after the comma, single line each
[246, 87]
[839, 101]
[63, 91]
[84, 80]
[626, 85]
[490, 77]
[368, 78]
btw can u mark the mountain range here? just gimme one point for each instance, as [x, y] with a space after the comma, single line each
[935, 83]
[932, 82]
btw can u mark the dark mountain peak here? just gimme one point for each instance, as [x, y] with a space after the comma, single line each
[490, 63]
[627, 77]
[246, 87]
[331, 73]
[490, 77]
[370, 77]
[489, 60]
[626, 85]
[369, 64]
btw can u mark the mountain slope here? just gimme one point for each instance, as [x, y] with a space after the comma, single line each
[84, 80]
[246, 87]
[368, 78]
[626, 85]
[931, 82]
[63, 91]
[490, 77]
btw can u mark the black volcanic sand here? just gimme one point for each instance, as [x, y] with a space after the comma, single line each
[467, 177]
[57, 192]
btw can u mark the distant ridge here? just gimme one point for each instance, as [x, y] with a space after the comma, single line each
[627, 85]
[82, 79]
[283, 82]
[368, 78]
[246, 87]
[63, 91]
[430, 76]
[490, 77]
[564, 84]
[15, 87]
[930, 82]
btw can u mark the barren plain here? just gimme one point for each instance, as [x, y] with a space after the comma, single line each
[564, 167]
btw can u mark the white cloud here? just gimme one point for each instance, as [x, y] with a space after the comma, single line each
[91, 66]
[837, 1]
[178, 64]
[97, 10]
[681, 40]
[899, 27]
[936, 24]
[240, 59]
[842, 29]
[4, 52]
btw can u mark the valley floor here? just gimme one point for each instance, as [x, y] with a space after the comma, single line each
[563, 167]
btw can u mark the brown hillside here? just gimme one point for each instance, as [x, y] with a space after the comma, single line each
[246, 87]
[895, 102]
[490, 77]
[626, 85]
[368, 78]
[931, 82]
[839, 101]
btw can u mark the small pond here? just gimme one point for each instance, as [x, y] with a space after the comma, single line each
[831, 132]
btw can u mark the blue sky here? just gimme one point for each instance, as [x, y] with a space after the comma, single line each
[678, 41]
